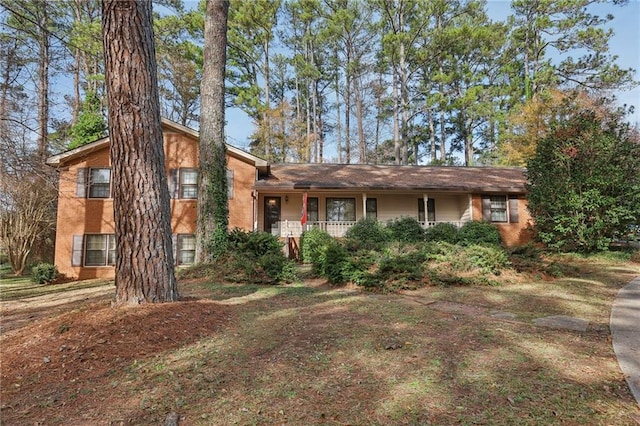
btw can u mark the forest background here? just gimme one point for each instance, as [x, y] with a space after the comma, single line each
[405, 81]
[447, 82]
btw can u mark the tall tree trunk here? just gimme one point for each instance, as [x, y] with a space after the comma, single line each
[144, 255]
[432, 135]
[213, 204]
[338, 118]
[347, 117]
[362, 147]
[44, 43]
[396, 124]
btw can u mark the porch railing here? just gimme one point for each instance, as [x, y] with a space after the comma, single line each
[293, 228]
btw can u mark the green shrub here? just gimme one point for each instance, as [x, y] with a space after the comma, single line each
[526, 258]
[274, 268]
[313, 243]
[357, 268]
[401, 267]
[443, 231]
[255, 243]
[457, 258]
[368, 234]
[491, 259]
[406, 230]
[476, 232]
[255, 257]
[43, 273]
[333, 261]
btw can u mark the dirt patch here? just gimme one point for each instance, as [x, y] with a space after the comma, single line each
[18, 313]
[55, 368]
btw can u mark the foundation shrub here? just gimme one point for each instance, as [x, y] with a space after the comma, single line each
[404, 267]
[489, 259]
[255, 257]
[405, 230]
[368, 234]
[313, 242]
[43, 273]
[359, 268]
[333, 262]
[253, 243]
[446, 232]
[476, 232]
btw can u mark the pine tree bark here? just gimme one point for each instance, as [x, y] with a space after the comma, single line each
[213, 207]
[144, 256]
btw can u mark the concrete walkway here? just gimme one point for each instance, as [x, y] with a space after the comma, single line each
[625, 329]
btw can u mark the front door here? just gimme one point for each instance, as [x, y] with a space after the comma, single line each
[272, 215]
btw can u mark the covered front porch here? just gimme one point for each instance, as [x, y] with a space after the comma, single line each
[336, 212]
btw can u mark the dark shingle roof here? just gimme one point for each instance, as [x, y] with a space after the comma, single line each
[391, 177]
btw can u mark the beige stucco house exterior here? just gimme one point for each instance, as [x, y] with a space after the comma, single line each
[269, 197]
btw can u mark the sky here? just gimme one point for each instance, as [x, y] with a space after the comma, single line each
[625, 44]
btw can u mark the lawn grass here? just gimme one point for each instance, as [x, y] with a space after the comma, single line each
[303, 354]
[14, 288]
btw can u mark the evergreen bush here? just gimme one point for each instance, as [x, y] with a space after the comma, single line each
[313, 242]
[406, 230]
[476, 232]
[443, 231]
[368, 234]
[43, 273]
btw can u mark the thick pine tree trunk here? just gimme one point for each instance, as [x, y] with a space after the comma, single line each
[144, 255]
[213, 207]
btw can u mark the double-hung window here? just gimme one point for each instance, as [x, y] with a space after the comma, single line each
[372, 208]
[500, 208]
[341, 209]
[188, 183]
[99, 183]
[93, 182]
[100, 250]
[312, 209]
[186, 250]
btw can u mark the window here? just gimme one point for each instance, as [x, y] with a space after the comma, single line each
[312, 209]
[93, 183]
[99, 183]
[229, 184]
[500, 208]
[100, 250]
[188, 183]
[186, 249]
[341, 209]
[431, 210]
[372, 208]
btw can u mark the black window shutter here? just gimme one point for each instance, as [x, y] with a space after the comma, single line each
[174, 184]
[174, 243]
[513, 209]
[486, 208]
[81, 183]
[76, 250]
[431, 210]
[230, 184]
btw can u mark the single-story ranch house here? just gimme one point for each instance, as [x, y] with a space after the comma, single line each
[269, 197]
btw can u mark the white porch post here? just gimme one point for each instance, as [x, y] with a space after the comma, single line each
[364, 205]
[256, 199]
[425, 200]
[470, 206]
